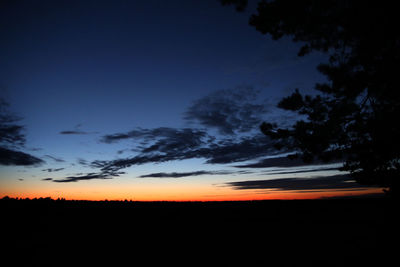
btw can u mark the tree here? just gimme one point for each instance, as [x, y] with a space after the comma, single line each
[354, 116]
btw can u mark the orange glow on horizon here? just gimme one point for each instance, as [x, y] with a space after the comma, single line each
[162, 190]
[167, 196]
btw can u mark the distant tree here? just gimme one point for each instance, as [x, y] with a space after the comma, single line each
[355, 115]
[12, 139]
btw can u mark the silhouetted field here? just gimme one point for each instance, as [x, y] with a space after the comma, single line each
[339, 232]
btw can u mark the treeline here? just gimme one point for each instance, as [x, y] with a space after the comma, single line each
[7, 198]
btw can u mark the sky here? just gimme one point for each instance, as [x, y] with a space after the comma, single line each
[152, 100]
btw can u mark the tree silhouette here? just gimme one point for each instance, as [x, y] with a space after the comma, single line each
[354, 116]
[11, 139]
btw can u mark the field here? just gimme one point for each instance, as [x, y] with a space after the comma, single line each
[334, 232]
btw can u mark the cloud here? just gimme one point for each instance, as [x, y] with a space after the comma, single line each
[89, 176]
[59, 160]
[36, 149]
[76, 131]
[246, 148]
[111, 138]
[11, 134]
[104, 174]
[301, 171]
[190, 135]
[12, 139]
[342, 181]
[233, 113]
[47, 179]
[53, 170]
[183, 174]
[82, 162]
[157, 145]
[168, 144]
[18, 158]
[73, 132]
[228, 111]
[281, 162]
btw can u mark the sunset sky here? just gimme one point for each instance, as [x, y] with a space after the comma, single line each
[153, 100]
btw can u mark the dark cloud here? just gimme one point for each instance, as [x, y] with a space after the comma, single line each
[74, 132]
[82, 162]
[89, 176]
[12, 139]
[158, 145]
[59, 160]
[118, 137]
[47, 179]
[53, 170]
[118, 164]
[181, 144]
[343, 181]
[228, 111]
[36, 149]
[104, 174]
[183, 174]
[246, 148]
[18, 158]
[301, 171]
[175, 140]
[190, 135]
[281, 162]
[11, 134]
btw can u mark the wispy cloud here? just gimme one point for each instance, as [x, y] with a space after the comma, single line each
[236, 114]
[73, 132]
[183, 174]
[76, 131]
[177, 136]
[318, 183]
[12, 140]
[88, 176]
[281, 162]
[169, 144]
[308, 170]
[18, 158]
[82, 162]
[56, 159]
[53, 170]
[236, 111]
[228, 111]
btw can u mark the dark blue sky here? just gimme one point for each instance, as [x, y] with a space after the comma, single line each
[153, 75]
[100, 63]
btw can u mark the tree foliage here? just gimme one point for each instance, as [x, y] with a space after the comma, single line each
[355, 115]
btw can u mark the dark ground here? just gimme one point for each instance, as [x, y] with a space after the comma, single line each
[336, 232]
